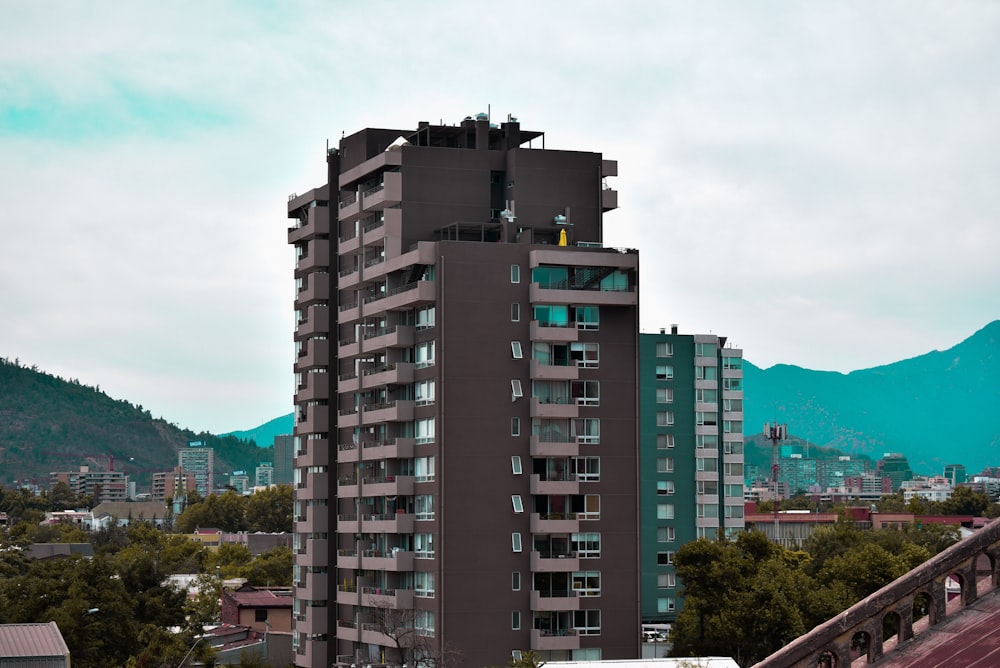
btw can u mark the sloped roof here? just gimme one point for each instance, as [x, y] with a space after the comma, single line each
[136, 509]
[246, 597]
[32, 640]
[49, 550]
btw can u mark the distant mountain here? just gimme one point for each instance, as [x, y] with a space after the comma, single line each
[937, 409]
[51, 424]
[264, 434]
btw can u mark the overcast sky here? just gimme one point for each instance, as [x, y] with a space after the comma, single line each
[818, 181]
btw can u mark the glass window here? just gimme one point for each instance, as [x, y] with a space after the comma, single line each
[587, 317]
[733, 491]
[664, 558]
[587, 622]
[587, 430]
[664, 441]
[424, 354]
[586, 545]
[707, 509]
[732, 384]
[706, 464]
[587, 583]
[664, 418]
[423, 584]
[423, 392]
[423, 506]
[664, 395]
[732, 426]
[515, 273]
[587, 469]
[664, 487]
[706, 373]
[423, 545]
[732, 405]
[704, 396]
[515, 350]
[423, 469]
[733, 469]
[664, 511]
[515, 542]
[423, 429]
[515, 389]
[664, 372]
[515, 620]
[665, 535]
[515, 501]
[666, 580]
[425, 317]
[710, 487]
[515, 312]
[515, 581]
[664, 464]
[665, 604]
[732, 362]
[515, 426]
[734, 512]
[709, 418]
[664, 349]
[586, 392]
[706, 441]
[586, 355]
[515, 464]
[704, 350]
[551, 315]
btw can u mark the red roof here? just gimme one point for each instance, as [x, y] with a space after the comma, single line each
[260, 599]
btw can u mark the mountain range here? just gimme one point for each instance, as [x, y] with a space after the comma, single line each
[939, 408]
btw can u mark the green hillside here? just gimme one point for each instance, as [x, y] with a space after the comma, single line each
[51, 424]
[939, 408]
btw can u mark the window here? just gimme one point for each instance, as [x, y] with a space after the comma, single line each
[515, 581]
[732, 384]
[665, 604]
[423, 430]
[515, 389]
[664, 464]
[733, 469]
[551, 315]
[260, 615]
[732, 405]
[587, 583]
[425, 318]
[587, 430]
[666, 580]
[423, 469]
[587, 355]
[515, 620]
[515, 542]
[515, 426]
[665, 534]
[732, 426]
[515, 273]
[733, 491]
[706, 373]
[515, 501]
[586, 317]
[423, 505]
[423, 584]
[664, 349]
[423, 392]
[733, 447]
[732, 362]
[515, 464]
[708, 487]
[515, 350]
[734, 512]
[664, 372]
[664, 395]
[587, 622]
[586, 545]
[706, 441]
[664, 418]
[591, 507]
[424, 354]
[515, 312]
[664, 511]
[706, 464]
[664, 441]
[704, 350]
[423, 622]
[587, 469]
[423, 545]
[706, 396]
[586, 392]
[707, 509]
[664, 487]
[664, 558]
[706, 418]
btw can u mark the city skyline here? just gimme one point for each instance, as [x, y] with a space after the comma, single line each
[831, 165]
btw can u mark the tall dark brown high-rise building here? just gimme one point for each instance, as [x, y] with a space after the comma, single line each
[466, 403]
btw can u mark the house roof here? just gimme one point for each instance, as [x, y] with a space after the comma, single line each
[134, 509]
[247, 597]
[32, 640]
[50, 550]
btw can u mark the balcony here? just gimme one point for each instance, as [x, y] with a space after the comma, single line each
[400, 373]
[542, 409]
[396, 561]
[316, 321]
[554, 523]
[318, 290]
[317, 520]
[386, 192]
[315, 353]
[348, 347]
[538, 294]
[540, 371]
[348, 559]
[348, 452]
[397, 336]
[556, 602]
[316, 586]
[349, 241]
[348, 523]
[547, 448]
[315, 386]
[350, 178]
[349, 207]
[554, 640]
[382, 597]
[541, 332]
[348, 310]
[317, 222]
[348, 417]
[317, 553]
[348, 594]
[390, 485]
[347, 487]
[348, 382]
[569, 485]
[390, 411]
[398, 448]
[425, 253]
[348, 278]
[387, 523]
[404, 297]
[316, 257]
[316, 420]
[609, 199]
[554, 563]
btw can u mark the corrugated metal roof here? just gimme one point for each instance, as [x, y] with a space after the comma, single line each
[32, 640]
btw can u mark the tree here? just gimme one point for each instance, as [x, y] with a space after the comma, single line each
[965, 501]
[270, 509]
[272, 568]
[410, 645]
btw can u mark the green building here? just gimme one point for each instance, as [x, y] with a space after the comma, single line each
[691, 455]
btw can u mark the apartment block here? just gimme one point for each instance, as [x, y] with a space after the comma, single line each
[466, 435]
[170, 484]
[691, 435]
[104, 486]
[199, 461]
